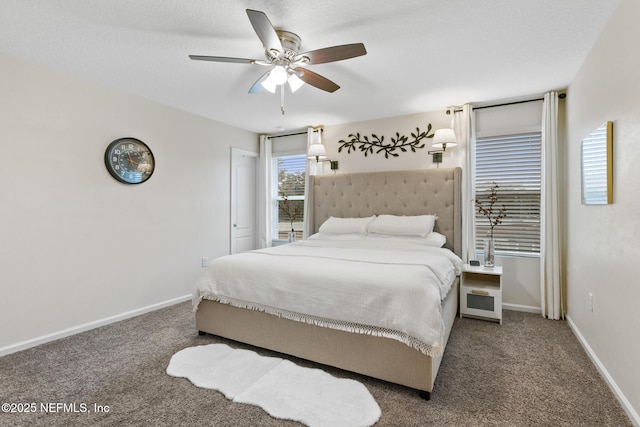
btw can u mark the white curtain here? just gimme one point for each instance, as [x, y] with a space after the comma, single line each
[265, 196]
[464, 128]
[313, 168]
[551, 279]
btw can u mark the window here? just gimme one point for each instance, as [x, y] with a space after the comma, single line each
[513, 161]
[288, 212]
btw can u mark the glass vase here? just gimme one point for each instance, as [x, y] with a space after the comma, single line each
[292, 236]
[489, 252]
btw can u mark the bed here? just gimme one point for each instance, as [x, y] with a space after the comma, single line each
[379, 351]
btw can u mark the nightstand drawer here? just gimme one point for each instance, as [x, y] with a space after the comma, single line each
[481, 301]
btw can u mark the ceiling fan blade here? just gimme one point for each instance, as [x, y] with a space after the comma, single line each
[335, 53]
[316, 80]
[257, 86]
[222, 59]
[264, 30]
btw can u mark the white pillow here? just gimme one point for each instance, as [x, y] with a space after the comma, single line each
[335, 225]
[434, 239]
[419, 225]
[339, 237]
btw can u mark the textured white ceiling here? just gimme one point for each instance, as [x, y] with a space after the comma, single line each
[423, 55]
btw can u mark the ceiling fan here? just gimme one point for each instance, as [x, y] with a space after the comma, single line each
[285, 62]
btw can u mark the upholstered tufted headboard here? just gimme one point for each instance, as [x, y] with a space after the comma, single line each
[411, 192]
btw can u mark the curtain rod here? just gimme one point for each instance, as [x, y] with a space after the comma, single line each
[508, 103]
[295, 133]
[288, 134]
[561, 96]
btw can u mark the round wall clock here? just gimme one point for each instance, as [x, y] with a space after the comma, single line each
[129, 160]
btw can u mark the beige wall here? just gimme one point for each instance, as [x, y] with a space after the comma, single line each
[75, 245]
[603, 242]
[357, 162]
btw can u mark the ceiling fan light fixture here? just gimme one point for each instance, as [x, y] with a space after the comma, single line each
[295, 82]
[269, 85]
[278, 75]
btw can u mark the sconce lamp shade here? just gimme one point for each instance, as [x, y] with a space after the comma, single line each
[317, 151]
[444, 138]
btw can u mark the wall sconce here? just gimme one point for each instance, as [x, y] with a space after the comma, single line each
[442, 139]
[318, 152]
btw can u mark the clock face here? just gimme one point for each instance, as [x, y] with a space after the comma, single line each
[129, 160]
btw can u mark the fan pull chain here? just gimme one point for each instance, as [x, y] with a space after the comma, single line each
[282, 99]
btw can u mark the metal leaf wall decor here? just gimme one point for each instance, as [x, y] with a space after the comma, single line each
[376, 144]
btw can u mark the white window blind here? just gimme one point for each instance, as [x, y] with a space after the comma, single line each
[513, 162]
[289, 182]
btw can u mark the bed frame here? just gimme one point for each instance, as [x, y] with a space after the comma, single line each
[414, 192]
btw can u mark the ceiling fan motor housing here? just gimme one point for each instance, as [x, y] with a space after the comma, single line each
[290, 42]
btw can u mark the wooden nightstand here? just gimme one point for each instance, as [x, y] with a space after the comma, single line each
[481, 293]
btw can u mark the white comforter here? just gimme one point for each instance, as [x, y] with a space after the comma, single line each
[382, 287]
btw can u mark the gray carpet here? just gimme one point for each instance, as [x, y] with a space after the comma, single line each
[529, 371]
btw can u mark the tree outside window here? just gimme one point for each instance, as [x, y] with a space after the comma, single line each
[290, 195]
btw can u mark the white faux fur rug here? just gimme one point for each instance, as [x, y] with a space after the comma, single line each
[282, 388]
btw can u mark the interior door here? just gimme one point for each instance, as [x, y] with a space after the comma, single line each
[244, 178]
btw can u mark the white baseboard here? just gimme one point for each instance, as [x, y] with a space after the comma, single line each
[525, 308]
[13, 348]
[626, 405]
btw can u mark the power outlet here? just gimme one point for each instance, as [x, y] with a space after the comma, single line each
[590, 302]
[205, 261]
